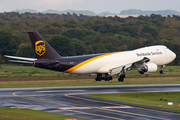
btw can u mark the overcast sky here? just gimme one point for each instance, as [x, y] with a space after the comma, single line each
[97, 6]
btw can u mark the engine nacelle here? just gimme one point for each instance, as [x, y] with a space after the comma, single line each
[149, 68]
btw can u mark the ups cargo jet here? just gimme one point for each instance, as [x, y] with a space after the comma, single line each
[146, 60]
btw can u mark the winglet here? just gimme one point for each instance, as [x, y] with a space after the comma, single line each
[41, 48]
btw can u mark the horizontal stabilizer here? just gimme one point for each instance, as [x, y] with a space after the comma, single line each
[18, 61]
[20, 58]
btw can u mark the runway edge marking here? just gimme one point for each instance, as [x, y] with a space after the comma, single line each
[107, 107]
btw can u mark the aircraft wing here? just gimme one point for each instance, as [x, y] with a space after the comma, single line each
[21, 59]
[129, 66]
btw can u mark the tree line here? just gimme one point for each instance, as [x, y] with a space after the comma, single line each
[79, 35]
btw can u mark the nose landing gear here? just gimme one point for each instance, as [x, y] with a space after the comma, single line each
[162, 71]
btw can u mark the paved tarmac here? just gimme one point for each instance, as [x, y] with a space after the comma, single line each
[74, 101]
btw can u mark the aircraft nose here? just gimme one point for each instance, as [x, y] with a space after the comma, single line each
[172, 55]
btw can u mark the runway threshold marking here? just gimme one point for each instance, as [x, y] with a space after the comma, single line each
[123, 111]
[15, 94]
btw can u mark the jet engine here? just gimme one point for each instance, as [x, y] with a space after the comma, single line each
[149, 68]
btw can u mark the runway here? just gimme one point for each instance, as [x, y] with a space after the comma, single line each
[74, 101]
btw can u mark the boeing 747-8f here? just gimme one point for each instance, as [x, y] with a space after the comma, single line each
[146, 60]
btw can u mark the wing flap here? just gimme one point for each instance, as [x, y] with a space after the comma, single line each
[120, 69]
[130, 66]
[117, 70]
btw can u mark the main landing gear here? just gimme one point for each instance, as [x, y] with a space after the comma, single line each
[105, 77]
[162, 71]
[121, 77]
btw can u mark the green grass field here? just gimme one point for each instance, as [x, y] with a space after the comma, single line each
[25, 114]
[155, 99]
[12, 75]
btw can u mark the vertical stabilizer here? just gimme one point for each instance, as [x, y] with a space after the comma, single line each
[41, 48]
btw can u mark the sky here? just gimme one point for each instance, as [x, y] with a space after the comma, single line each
[97, 6]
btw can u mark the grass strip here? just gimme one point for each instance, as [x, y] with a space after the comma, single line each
[89, 82]
[26, 114]
[154, 99]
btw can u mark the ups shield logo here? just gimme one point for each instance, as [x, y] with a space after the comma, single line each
[40, 47]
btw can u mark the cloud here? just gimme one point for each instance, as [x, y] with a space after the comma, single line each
[40, 5]
[66, 2]
[57, 3]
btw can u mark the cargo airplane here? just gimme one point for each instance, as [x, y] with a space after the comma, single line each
[146, 60]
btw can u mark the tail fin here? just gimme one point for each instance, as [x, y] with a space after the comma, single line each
[42, 49]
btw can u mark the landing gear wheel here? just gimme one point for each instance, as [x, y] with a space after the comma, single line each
[121, 79]
[105, 77]
[161, 71]
[99, 77]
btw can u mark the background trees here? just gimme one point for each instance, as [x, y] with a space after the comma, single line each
[76, 35]
[9, 42]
